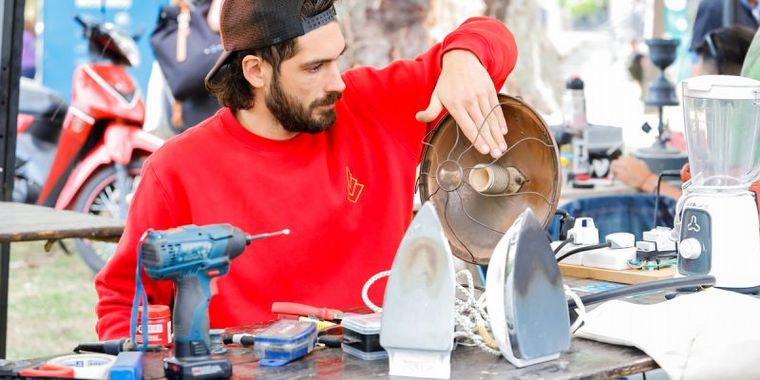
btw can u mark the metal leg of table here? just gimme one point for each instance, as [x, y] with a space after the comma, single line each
[5, 253]
[11, 30]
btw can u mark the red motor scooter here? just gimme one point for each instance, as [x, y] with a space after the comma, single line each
[87, 156]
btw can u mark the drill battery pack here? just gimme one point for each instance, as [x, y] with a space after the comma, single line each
[202, 367]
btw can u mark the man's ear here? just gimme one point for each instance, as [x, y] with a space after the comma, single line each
[255, 70]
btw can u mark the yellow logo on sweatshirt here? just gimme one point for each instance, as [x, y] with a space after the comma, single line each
[354, 187]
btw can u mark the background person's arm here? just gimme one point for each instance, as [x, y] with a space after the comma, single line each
[635, 173]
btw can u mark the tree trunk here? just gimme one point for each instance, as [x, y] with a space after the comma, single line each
[380, 31]
[537, 76]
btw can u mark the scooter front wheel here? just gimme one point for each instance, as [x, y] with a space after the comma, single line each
[103, 195]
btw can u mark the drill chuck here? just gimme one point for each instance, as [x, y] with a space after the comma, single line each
[151, 254]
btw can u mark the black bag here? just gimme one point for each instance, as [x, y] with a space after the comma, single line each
[186, 78]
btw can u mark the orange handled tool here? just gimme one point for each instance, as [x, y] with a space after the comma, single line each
[49, 370]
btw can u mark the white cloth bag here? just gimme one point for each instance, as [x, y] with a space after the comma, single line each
[713, 334]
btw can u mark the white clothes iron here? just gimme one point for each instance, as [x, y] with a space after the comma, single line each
[418, 309]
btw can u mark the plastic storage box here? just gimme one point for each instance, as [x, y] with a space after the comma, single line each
[361, 336]
[285, 341]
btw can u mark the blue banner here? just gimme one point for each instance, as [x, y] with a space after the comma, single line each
[64, 47]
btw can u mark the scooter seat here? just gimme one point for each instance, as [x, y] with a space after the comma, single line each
[48, 108]
[38, 100]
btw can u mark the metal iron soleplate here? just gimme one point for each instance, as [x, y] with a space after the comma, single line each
[536, 296]
[525, 294]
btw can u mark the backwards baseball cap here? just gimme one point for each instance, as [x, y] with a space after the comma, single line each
[255, 24]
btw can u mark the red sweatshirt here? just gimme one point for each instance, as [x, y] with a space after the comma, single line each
[346, 194]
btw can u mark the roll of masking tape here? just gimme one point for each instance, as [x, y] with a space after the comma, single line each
[86, 366]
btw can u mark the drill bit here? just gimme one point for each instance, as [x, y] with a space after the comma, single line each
[251, 238]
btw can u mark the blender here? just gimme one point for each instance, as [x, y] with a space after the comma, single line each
[719, 232]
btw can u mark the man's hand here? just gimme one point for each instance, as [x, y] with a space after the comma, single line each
[466, 90]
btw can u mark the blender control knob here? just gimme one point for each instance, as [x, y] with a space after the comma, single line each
[690, 248]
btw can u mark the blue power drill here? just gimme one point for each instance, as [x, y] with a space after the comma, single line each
[193, 257]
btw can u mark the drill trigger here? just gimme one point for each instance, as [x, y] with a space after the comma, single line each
[213, 287]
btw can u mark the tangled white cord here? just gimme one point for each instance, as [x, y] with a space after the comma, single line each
[580, 309]
[472, 325]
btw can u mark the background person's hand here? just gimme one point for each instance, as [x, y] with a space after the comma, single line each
[633, 172]
[467, 91]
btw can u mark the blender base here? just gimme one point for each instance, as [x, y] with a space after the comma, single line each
[720, 236]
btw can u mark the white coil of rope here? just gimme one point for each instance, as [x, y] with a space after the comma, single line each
[472, 326]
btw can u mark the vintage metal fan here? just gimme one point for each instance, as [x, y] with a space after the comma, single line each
[478, 197]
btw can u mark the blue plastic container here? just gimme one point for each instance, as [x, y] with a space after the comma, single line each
[284, 341]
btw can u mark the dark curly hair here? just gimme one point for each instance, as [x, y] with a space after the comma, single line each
[230, 86]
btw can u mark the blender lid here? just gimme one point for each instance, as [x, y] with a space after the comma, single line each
[729, 87]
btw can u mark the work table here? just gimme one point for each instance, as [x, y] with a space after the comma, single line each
[586, 360]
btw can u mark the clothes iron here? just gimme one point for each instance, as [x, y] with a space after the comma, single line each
[418, 309]
[526, 297]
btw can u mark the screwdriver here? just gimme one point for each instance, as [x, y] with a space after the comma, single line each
[113, 347]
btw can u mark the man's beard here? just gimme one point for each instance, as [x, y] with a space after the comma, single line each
[294, 117]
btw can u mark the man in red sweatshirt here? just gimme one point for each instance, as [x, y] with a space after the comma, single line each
[299, 145]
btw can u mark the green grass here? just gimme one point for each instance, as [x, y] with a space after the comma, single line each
[51, 301]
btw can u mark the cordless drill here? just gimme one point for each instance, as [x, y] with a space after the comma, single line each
[193, 257]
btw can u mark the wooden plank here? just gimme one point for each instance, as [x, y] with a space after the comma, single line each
[630, 276]
[23, 222]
